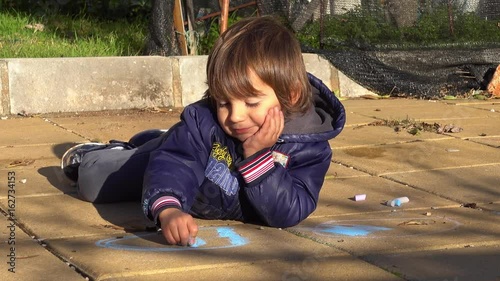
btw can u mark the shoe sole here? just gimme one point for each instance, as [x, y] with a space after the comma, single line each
[73, 148]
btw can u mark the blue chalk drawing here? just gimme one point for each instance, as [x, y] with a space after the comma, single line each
[234, 240]
[370, 228]
[198, 243]
[352, 230]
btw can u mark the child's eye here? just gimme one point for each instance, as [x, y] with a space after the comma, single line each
[253, 104]
[221, 104]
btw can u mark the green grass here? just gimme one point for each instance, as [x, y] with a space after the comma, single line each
[361, 27]
[64, 36]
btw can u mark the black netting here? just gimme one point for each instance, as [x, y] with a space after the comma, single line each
[162, 39]
[422, 48]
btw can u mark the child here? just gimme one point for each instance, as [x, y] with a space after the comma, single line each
[254, 149]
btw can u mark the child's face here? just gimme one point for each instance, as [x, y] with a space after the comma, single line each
[241, 118]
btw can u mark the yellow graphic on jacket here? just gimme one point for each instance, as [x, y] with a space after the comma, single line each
[221, 153]
[218, 169]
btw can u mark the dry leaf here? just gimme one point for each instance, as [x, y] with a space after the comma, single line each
[24, 162]
[415, 222]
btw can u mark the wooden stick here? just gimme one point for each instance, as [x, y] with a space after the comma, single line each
[179, 27]
[224, 14]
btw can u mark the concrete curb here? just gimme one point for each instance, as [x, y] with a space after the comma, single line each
[101, 83]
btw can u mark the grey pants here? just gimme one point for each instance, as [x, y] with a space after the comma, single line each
[110, 175]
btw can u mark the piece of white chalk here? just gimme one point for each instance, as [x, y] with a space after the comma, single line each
[359, 197]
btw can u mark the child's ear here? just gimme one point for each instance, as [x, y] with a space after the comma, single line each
[294, 97]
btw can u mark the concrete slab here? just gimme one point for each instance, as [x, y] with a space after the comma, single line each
[312, 268]
[479, 130]
[337, 197]
[493, 107]
[403, 231]
[338, 171]
[89, 84]
[365, 106]
[30, 131]
[350, 88]
[52, 220]
[417, 156]
[379, 135]
[494, 207]
[26, 259]
[10, 233]
[491, 141]
[470, 263]
[116, 125]
[353, 119]
[18, 153]
[456, 183]
[220, 249]
[102, 83]
[40, 178]
[482, 104]
[473, 127]
[4, 88]
[343, 239]
[397, 109]
[190, 78]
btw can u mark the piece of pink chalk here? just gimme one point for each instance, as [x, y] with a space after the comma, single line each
[359, 197]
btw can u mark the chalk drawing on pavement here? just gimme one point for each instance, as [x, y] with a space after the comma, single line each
[385, 227]
[208, 238]
[351, 229]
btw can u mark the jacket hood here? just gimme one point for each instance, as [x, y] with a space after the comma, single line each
[324, 121]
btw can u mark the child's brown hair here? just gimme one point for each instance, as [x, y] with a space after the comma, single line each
[268, 48]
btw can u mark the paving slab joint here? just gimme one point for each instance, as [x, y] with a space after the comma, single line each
[385, 176]
[41, 242]
[71, 265]
[4, 88]
[66, 129]
[354, 168]
[176, 82]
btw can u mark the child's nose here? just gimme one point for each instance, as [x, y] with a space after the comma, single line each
[237, 114]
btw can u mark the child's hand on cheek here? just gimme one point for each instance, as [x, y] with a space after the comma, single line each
[268, 133]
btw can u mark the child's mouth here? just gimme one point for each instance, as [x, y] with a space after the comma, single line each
[241, 131]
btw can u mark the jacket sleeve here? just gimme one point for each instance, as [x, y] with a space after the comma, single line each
[176, 168]
[283, 197]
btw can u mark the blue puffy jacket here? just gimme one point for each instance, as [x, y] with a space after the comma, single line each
[200, 170]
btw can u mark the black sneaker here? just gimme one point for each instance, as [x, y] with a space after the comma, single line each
[145, 136]
[73, 157]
